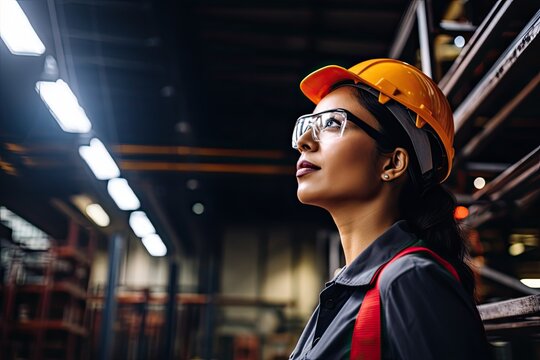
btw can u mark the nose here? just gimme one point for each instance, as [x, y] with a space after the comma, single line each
[306, 142]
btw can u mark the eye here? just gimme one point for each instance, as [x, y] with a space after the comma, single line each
[332, 122]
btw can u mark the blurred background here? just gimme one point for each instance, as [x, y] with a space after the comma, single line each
[148, 199]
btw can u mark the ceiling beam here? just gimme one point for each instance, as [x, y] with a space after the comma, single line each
[116, 63]
[121, 5]
[292, 42]
[128, 149]
[253, 169]
[113, 39]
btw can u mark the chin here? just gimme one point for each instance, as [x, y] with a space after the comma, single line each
[307, 197]
[303, 197]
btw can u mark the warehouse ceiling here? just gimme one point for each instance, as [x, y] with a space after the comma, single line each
[196, 101]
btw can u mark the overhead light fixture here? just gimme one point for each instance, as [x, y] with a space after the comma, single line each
[479, 183]
[182, 127]
[140, 224]
[64, 106]
[17, 32]
[459, 41]
[81, 201]
[91, 209]
[98, 215]
[122, 194]
[99, 160]
[532, 283]
[516, 249]
[527, 237]
[198, 208]
[192, 184]
[154, 245]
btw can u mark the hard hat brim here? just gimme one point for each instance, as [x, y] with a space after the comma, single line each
[317, 85]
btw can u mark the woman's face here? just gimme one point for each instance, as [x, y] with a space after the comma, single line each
[346, 168]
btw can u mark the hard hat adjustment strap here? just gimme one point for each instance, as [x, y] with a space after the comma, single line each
[419, 137]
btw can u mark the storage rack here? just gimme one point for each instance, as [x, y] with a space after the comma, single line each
[44, 301]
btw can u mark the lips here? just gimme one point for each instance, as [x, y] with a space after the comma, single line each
[304, 167]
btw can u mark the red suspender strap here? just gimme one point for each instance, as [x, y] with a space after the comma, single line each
[366, 340]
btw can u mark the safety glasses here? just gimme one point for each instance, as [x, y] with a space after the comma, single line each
[332, 124]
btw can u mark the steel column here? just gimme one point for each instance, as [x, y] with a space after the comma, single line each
[497, 72]
[423, 34]
[209, 316]
[116, 248]
[521, 172]
[170, 324]
[403, 32]
[478, 142]
[473, 52]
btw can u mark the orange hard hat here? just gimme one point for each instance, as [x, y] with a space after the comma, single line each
[398, 81]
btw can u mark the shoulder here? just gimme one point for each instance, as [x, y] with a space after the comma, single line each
[416, 281]
[419, 270]
[427, 313]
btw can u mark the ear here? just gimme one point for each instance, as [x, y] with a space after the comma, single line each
[395, 164]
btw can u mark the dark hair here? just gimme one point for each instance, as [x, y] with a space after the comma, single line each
[429, 213]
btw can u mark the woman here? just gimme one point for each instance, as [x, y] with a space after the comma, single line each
[373, 154]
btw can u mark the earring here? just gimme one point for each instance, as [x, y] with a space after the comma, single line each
[386, 176]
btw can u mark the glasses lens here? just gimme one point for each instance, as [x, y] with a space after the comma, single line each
[332, 122]
[303, 124]
[323, 125]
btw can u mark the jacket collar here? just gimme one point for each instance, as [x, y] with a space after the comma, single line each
[382, 250]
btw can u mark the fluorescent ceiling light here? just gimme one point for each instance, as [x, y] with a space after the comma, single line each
[532, 283]
[99, 160]
[516, 249]
[64, 106]
[154, 245]
[17, 32]
[98, 215]
[85, 204]
[140, 224]
[122, 194]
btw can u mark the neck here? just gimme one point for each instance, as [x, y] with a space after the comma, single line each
[361, 224]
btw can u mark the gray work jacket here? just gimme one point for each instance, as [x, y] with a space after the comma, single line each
[426, 313]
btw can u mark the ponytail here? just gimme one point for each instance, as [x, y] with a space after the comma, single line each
[431, 218]
[429, 212]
